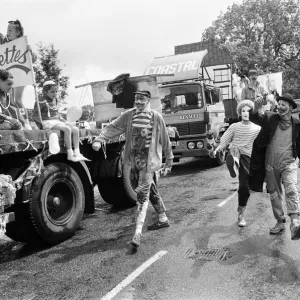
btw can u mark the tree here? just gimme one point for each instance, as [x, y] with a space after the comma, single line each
[262, 34]
[47, 68]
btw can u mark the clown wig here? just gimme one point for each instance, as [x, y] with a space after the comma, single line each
[242, 104]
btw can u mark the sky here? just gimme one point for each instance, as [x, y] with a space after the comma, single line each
[100, 39]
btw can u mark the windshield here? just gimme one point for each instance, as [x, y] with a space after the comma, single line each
[178, 98]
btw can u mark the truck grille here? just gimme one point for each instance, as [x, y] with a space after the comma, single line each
[191, 128]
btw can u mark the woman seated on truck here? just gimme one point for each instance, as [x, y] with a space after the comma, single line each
[51, 119]
[9, 114]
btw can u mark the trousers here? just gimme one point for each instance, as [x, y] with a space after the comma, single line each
[276, 179]
[147, 190]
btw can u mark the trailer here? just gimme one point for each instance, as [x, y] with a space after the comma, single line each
[51, 193]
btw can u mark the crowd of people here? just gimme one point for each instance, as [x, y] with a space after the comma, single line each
[264, 145]
[264, 148]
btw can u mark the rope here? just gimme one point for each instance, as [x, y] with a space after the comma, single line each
[30, 145]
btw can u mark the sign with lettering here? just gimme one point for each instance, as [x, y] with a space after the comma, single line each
[15, 58]
[188, 117]
[182, 66]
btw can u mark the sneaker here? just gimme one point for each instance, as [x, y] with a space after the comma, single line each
[241, 221]
[279, 227]
[158, 225]
[81, 157]
[231, 165]
[295, 229]
[73, 158]
[136, 240]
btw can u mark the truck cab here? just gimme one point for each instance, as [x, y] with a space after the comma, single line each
[189, 104]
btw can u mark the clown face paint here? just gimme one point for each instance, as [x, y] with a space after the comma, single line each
[283, 108]
[245, 113]
[141, 102]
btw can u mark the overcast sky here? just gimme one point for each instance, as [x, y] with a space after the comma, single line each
[100, 39]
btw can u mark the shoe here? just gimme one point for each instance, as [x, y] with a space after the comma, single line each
[231, 165]
[279, 227]
[136, 240]
[73, 158]
[158, 225]
[241, 220]
[81, 157]
[295, 229]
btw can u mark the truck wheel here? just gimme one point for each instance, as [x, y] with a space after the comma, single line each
[57, 203]
[118, 191]
[220, 158]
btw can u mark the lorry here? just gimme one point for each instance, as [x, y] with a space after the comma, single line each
[192, 104]
[51, 193]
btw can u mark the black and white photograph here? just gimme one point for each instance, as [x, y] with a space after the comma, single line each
[149, 150]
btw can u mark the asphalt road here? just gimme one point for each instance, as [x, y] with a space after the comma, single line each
[202, 255]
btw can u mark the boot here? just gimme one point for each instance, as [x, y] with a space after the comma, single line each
[295, 227]
[279, 227]
[241, 220]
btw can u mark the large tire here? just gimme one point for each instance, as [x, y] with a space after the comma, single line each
[118, 191]
[57, 203]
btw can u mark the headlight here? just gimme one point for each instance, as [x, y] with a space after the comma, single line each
[191, 145]
[200, 145]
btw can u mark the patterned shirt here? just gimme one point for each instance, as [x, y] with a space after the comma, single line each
[142, 124]
[240, 136]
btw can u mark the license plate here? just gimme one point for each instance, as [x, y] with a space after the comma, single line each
[175, 143]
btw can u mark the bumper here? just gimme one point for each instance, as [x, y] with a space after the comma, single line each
[180, 149]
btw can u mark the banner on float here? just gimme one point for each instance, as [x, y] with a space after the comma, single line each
[271, 82]
[15, 58]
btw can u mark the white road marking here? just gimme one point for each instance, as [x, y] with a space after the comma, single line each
[133, 275]
[227, 199]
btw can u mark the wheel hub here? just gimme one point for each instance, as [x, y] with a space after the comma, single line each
[56, 201]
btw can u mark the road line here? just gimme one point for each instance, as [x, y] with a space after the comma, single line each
[227, 199]
[133, 275]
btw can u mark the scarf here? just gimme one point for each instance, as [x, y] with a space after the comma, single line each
[284, 124]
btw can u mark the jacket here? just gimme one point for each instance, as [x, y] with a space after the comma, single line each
[249, 92]
[160, 141]
[269, 123]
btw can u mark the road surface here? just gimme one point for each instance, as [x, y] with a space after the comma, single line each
[202, 255]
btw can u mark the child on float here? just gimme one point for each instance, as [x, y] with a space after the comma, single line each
[52, 120]
[241, 136]
[15, 30]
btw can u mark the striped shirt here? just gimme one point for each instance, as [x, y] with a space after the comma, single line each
[241, 136]
[142, 123]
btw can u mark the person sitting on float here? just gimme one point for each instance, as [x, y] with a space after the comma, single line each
[15, 30]
[52, 120]
[9, 118]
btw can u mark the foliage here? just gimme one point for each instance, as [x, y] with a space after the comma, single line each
[262, 34]
[47, 68]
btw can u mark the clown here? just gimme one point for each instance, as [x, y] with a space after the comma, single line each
[275, 151]
[241, 136]
[146, 137]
